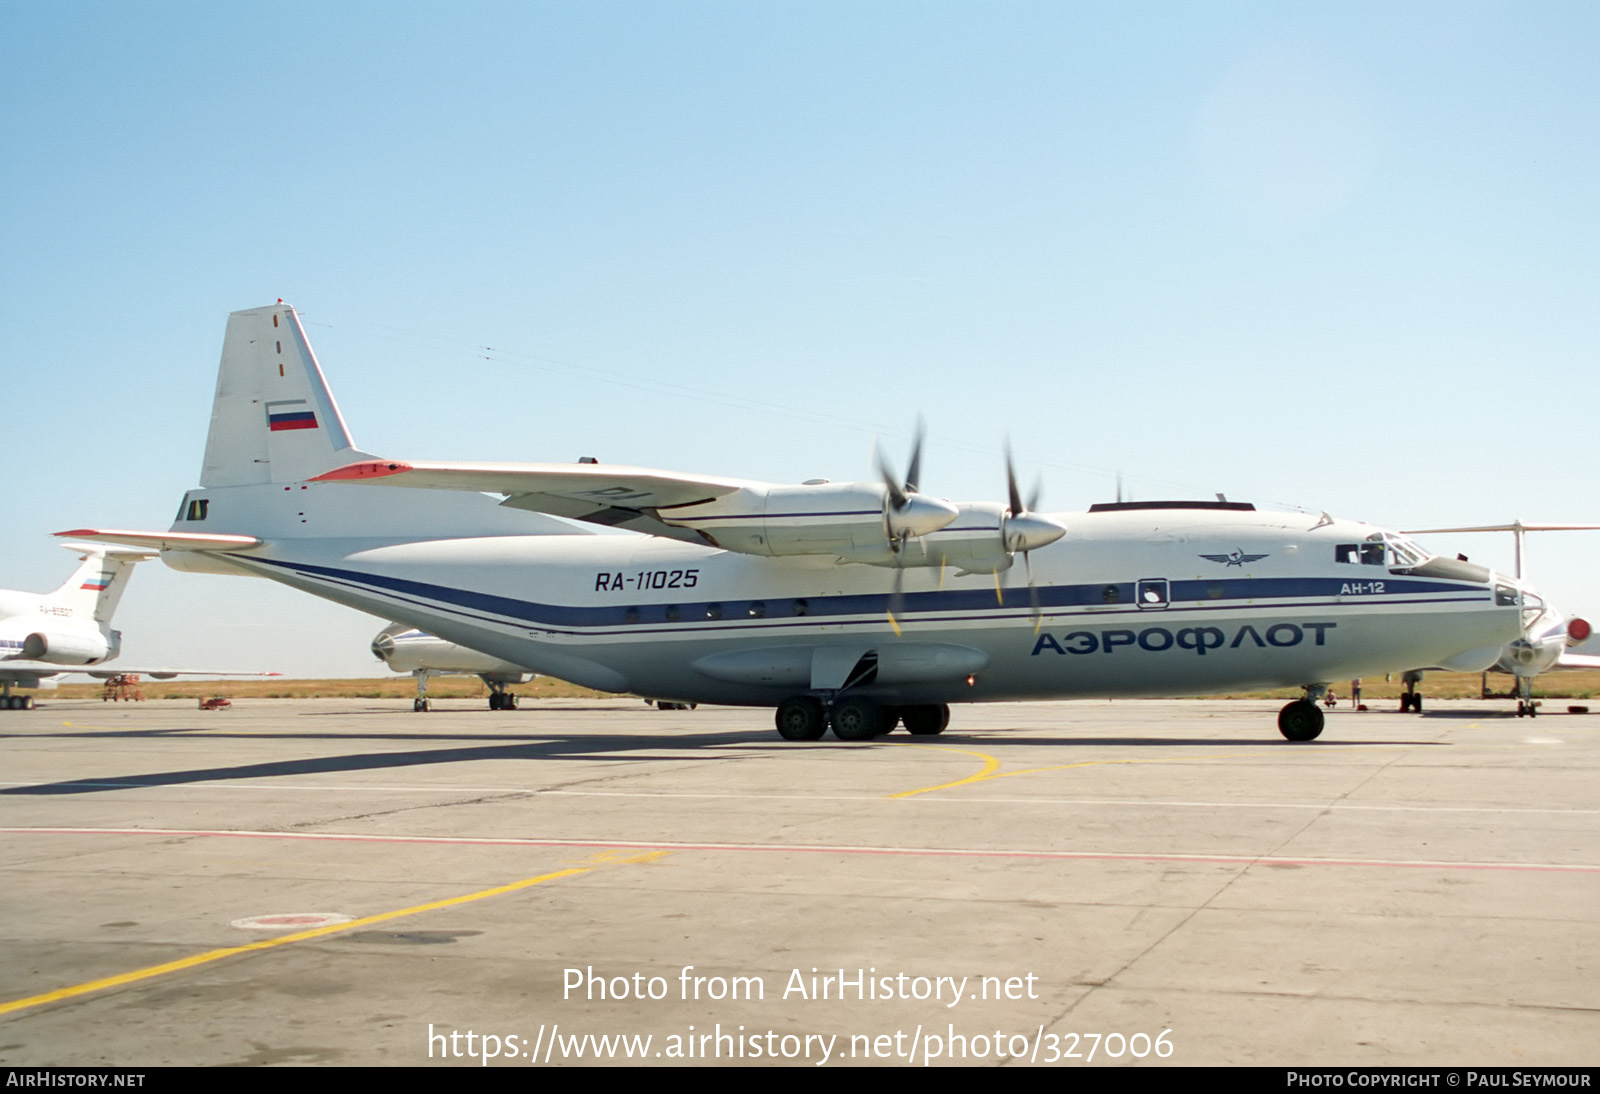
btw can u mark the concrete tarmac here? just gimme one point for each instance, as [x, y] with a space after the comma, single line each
[1140, 883]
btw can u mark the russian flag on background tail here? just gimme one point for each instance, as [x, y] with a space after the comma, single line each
[290, 414]
[97, 584]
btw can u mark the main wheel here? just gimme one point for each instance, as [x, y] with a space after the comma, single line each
[858, 720]
[925, 721]
[801, 719]
[1301, 720]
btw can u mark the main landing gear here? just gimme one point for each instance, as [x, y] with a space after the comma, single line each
[1409, 699]
[806, 718]
[16, 702]
[1302, 719]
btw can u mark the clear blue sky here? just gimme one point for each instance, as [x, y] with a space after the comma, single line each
[1340, 256]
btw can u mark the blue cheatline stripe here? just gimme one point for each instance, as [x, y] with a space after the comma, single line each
[1213, 595]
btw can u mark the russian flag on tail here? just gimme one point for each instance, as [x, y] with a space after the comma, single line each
[290, 414]
[97, 584]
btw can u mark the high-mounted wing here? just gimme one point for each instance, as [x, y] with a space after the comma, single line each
[613, 496]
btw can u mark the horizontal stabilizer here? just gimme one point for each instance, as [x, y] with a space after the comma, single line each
[165, 541]
[121, 554]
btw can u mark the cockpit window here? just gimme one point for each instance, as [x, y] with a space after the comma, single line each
[1403, 552]
[1379, 549]
[1367, 554]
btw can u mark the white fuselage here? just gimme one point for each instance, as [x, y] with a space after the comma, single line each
[36, 627]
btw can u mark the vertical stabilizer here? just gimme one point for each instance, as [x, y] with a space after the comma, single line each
[273, 419]
[94, 589]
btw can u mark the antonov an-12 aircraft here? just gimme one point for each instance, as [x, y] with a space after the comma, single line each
[855, 606]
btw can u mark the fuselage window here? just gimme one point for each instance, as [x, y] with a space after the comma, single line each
[1152, 592]
[1372, 554]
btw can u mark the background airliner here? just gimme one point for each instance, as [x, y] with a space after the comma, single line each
[404, 648]
[43, 635]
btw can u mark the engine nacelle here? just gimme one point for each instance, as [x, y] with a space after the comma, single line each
[850, 520]
[70, 648]
[983, 538]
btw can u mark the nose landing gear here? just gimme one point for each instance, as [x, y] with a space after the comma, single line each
[1302, 719]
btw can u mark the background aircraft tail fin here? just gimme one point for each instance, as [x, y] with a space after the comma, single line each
[96, 586]
[273, 419]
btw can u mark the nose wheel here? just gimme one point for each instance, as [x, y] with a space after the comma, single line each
[1301, 720]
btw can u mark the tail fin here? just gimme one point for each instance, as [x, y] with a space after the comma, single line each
[96, 586]
[273, 419]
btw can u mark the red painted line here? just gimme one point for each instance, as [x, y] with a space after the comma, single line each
[827, 849]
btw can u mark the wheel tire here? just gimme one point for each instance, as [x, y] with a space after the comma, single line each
[801, 719]
[1405, 703]
[925, 721]
[857, 720]
[509, 702]
[1416, 704]
[1301, 720]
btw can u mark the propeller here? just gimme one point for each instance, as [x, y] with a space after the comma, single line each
[909, 513]
[1021, 529]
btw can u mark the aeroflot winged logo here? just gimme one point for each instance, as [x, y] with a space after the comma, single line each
[1238, 558]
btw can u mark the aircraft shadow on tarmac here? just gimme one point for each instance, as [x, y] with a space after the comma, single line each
[588, 747]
